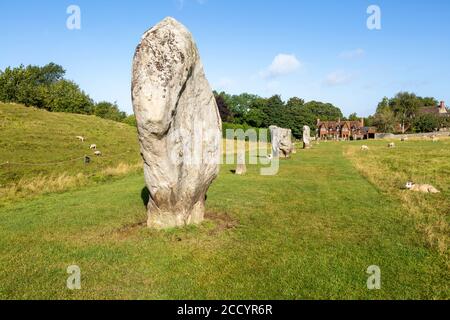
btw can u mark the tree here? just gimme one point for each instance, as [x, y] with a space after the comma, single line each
[426, 123]
[29, 85]
[385, 120]
[405, 106]
[353, 117]
[110, 111]
[66, 96]
[130, 120]
[429, 102]
[225, 113]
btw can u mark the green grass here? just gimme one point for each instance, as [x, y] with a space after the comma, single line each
[308, 233]
[421, 161]
[39, 147]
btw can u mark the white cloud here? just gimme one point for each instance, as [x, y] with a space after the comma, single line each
[339, 77]
[352, 54]
[282, 64]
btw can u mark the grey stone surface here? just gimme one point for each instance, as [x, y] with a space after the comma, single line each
[306, 137]
[281, 142]
[178, 122]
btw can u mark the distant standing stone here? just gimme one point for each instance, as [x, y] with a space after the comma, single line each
[241, 168]
[281, 142]
[306, 137]
[178, 123]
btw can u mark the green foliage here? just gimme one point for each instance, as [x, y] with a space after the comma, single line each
[405, 106]
[29, 85]
[130, 120]
[110, 111]
[225, 114]
[232, 126]
[385, 120]
[45, 88]
[66, 96]
[254, 111]
[426, 123]
[404, 109]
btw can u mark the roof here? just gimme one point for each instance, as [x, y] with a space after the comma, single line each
[433, 110]
[335, 124]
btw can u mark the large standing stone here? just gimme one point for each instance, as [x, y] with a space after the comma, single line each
[178, 123]
[306, 137]
[281, 142]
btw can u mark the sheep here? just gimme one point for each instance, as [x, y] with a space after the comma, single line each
[364, 148]
[81, 138]
[435, 139]
[269, 157]
[404, 139]
[391, 145]
[98, 153]
[424, 188]
[93, 147]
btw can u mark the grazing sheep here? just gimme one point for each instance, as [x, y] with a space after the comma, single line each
[391, 145]
[435, 139]
[98, 153]
[270, 157]
[81, 138]
[364, 148]
[93, 147]
[405, 139]
[424, 188]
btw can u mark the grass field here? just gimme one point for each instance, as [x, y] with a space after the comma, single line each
[40, 152]
[308, 233]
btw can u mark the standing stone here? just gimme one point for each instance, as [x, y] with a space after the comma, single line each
[178, 123]
[241, 167]
[306, 137]
[281, 142]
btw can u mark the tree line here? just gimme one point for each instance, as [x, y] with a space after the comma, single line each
[403, 113]
[249, 110]
[46, 88]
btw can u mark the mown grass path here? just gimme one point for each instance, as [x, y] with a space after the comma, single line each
[309, 232]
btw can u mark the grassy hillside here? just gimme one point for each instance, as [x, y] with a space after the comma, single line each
[40, 152]
[309, 232]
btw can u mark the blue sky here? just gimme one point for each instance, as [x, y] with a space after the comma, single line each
[313, 49]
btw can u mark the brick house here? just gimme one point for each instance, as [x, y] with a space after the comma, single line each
[344, 130]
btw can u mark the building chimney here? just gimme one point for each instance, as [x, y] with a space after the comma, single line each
[442, 105]
[362, 122]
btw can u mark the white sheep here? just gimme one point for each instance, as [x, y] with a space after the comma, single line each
[81, 138]
[364, 148]
[435, 139]
[93, 147]
[98, 153]
[405, 139]
[424, 188]
[391, 145]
